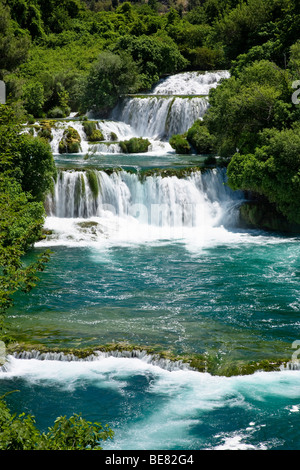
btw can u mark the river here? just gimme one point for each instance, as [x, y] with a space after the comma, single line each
[159, 261]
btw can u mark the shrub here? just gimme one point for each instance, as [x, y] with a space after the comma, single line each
[19, 432]
[200, 139]
[135, 145]
[70, 143]
[180, 144]
[56, 112]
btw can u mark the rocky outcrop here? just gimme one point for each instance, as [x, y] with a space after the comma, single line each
[263, 215]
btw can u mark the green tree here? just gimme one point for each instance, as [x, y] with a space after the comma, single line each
[34, 98]
[37, 166]
[14, 45]
[111, 76]
[21, 222]
[21, 217]
[272, 170]
[240, 107]
[155, 56]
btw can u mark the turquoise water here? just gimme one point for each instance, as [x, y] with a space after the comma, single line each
[239, 298]
[204, 287]
[235, 297]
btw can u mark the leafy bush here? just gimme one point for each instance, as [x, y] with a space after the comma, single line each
[111, 76]
[240, 107]
[135, 145]
[19, 432]
[273, 170]
[200, 139]
[180, 144]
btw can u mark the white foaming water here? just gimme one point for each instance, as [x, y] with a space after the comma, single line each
[190, 83]
[58, 131]
[121, 130]
[198, 210]
[159, 118]
[126, 208]
[190, 200]
[180, 399]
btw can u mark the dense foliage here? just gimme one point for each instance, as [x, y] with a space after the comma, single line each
[19, 432]
[26, 175]
[52, 52]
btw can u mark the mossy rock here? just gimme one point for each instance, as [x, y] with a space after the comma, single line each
[70, 143]
[45, 133]
[135, 145]
[96, 136]
[167, 172]
[92, 133]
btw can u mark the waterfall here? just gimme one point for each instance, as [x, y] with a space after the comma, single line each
[172, 107]
[160, 117]
[129, 202]
[190, 83]
[141, 354]
[195, 200]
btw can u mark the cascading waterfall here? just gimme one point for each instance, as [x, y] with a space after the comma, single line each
[154, 359]
[195, 200]
[190, 83]
[156, 262]
[171, 108]
[160, 117]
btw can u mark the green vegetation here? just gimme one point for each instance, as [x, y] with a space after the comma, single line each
[70, 142]
[180, 144]
[19, 432]
[26, 175]
[81, 55]
[111, 76]
[76, 54]
[134, 145]
[93, 134]
[273, 170]
[197, 140]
